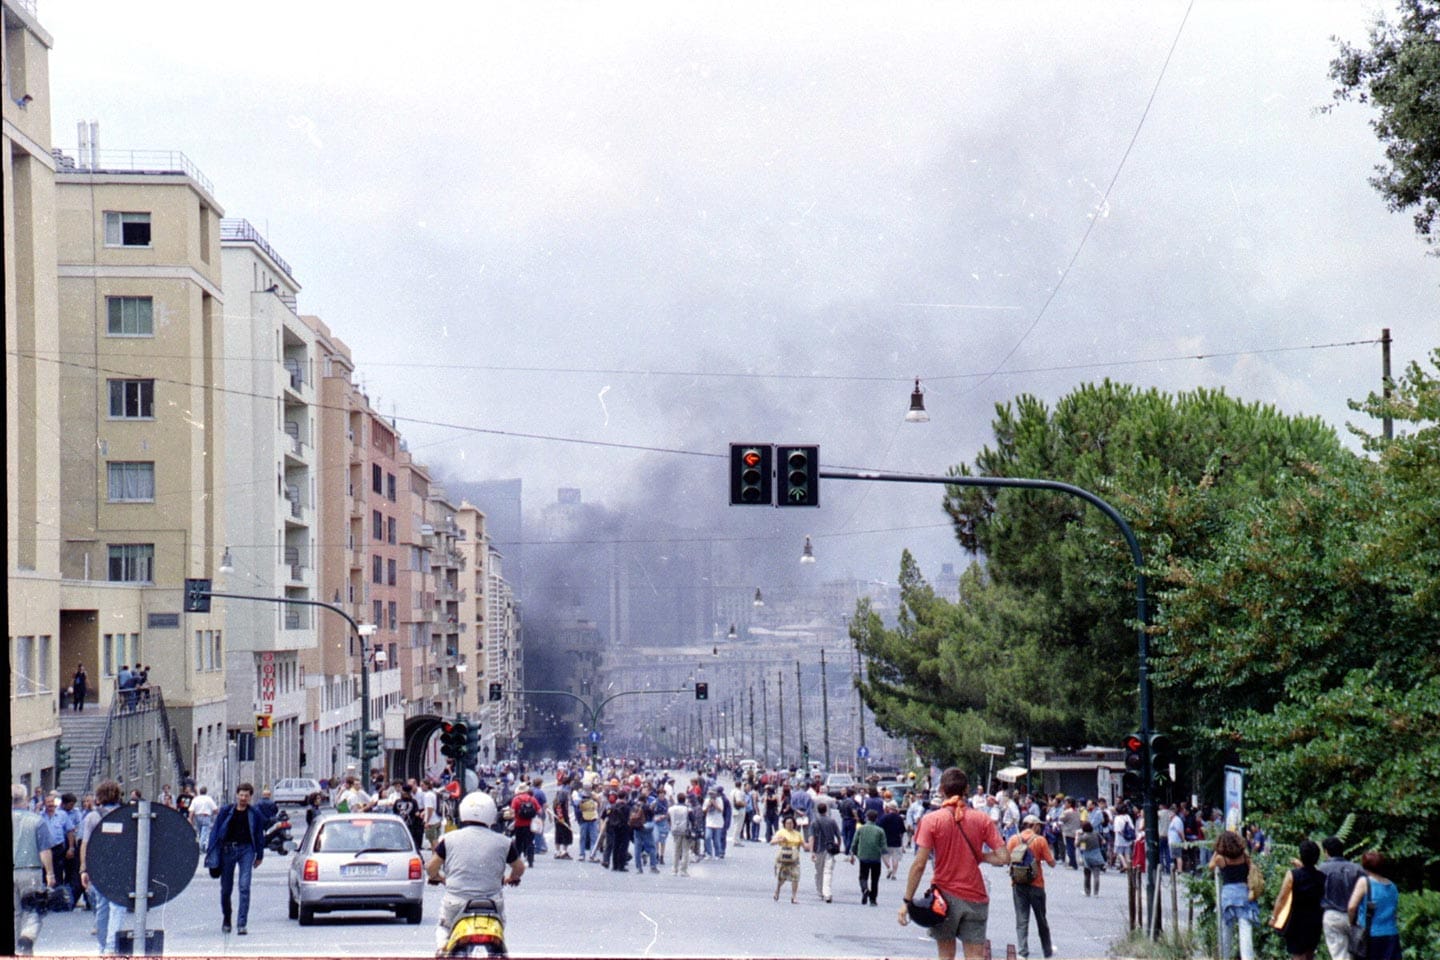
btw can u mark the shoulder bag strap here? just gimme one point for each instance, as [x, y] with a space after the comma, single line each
[960, 813]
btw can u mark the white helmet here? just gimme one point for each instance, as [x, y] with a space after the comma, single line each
[478, 807]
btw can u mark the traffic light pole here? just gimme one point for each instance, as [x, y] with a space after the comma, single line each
[1142, 619]
[593, 712]
[364, 657]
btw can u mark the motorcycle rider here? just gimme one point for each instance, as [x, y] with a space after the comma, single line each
[473, 859]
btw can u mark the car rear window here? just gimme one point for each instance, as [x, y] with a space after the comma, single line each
[352, 836]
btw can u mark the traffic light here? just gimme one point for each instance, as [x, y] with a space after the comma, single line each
[472, 741]
[371, 744]
[497, 693]
[1162, 755]
[1133, 782]
[448, 743]
[750, 474]
[352, 743]
[702, 691]
[799, 476]
[197, 596]
[62, 756]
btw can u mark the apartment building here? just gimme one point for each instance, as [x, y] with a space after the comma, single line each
[503, 719]
[32, 408]
[271, 490]
[143, 441]
[469, 680]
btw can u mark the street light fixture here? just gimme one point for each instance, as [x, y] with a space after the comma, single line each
[732, 635]
[759, 601]
[227, 564]
[917, 412]
[808, 555]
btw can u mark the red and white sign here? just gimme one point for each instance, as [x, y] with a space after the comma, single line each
[267, 682]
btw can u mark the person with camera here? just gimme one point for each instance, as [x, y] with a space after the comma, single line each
[32, 870]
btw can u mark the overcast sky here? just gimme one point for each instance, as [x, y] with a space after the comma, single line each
[600, 221]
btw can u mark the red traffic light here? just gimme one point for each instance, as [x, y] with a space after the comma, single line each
[1133, 743]
[752, 458]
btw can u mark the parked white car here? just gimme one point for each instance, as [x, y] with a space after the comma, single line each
[293, 790]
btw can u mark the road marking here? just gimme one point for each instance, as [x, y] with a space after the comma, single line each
[651, 944]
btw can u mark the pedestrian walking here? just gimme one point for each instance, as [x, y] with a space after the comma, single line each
[237, 843]
[959, 838]
[202, 814]
[1237, 911]
[32, 868]
[1029, 855]
[108, 916]
[1092, 856]
[1305, 888]
[1070, 831]
[894, 826]
[564, 835]
[1374, 909]
[824, 847]
[1341, 875]
[787, 859]
[868, 846]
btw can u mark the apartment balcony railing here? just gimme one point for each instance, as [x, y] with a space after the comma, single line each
[241, 230]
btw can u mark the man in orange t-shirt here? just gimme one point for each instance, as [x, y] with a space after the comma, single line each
[1031, 896]
[960, 838]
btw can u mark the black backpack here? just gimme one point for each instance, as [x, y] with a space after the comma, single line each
[527, 810]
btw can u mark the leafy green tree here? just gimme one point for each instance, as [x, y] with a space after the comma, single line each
[1173, 465]
[1308, 639]
[1399, 73]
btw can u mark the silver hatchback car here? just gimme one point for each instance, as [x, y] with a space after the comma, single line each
[356, 861]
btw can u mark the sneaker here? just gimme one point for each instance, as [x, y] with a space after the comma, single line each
[654, 869]
[225, 927]
[240, 931]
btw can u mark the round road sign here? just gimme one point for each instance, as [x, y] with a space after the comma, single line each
[862, 752]
[174, 854]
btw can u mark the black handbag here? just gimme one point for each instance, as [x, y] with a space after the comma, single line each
[1360, 937]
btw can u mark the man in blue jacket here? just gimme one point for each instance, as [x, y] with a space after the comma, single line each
[237, 839]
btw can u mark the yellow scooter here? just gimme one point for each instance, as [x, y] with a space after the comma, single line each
[477, 931]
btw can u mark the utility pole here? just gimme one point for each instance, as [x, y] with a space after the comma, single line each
[860, 714]
[780, 704]
[765, 719]
[753, 753]
[1385, 376]
[800, 702]
[825, 709]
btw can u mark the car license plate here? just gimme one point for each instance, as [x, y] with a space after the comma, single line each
[363, 870]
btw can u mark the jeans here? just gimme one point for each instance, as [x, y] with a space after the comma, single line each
[589, 830]
[644, 846]
[202, 823]
[26, 881]
[715, 841]
[772, 823]
[234, 855]
[848, 828]
[1030, 899]
[1237, 908]
[1070, 851]
[662, 834]
[108, 917]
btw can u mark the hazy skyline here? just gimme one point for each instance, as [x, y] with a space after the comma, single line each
[674, 227]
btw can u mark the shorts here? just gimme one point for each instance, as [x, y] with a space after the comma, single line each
[965, 920]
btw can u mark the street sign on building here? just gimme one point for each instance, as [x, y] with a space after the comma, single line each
[262, 725]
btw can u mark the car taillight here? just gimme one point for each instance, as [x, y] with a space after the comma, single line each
[414, 868]
[480, 938]
[312, 871]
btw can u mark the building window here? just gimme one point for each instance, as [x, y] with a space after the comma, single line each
[390, 572]
[390, 486]
[42, 663]
[393, 610]
[127, 229]
[377, 570]
[377, 477]
[379, 613]
[24, 665]
[132, 563]
[216, 662]
[131, 481]
[377, 527]
[390, 529]
[130, 316]
[132, 399]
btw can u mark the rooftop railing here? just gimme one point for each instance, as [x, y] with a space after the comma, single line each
[244, 230]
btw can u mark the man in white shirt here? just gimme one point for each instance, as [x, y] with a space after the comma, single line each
[429, 814]
[354, 799]
[202, 813]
